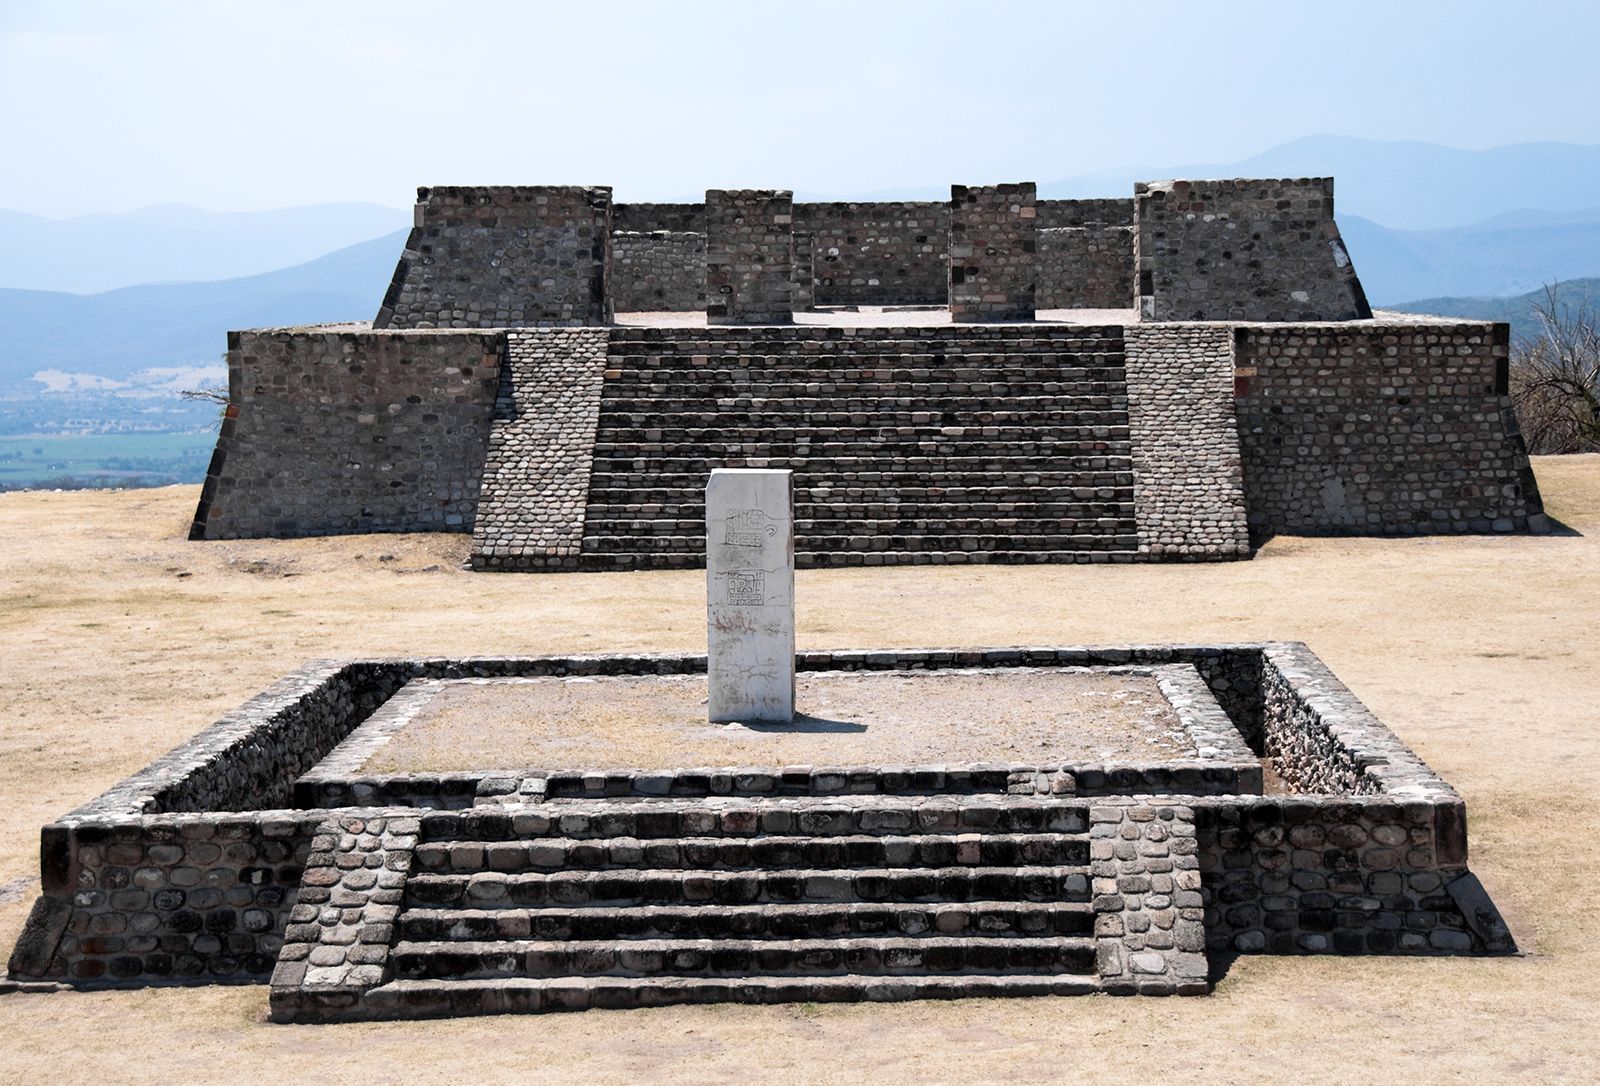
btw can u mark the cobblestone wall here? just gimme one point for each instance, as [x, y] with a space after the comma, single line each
[877, 252]
[1188, 475]
[504, 256]
[1086, 267]
[1247, 250]
[658, 272]
[749, 256]
[541, 447]
[334, 431]
[1381, 429]
[993, 252]
[803, 281]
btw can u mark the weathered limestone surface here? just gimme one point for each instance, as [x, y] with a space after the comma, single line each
[994, 263]
[749, 256]
[750, 595]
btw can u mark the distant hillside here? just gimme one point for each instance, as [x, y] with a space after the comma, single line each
[120, 332]
[173, 243]
[1506, 255]
[1402, 184]
[1518, 310]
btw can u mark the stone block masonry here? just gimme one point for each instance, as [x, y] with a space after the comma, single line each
[334, 431]
[878, 253]
[1086, 267]
[660, 271]
[1243, 250]
[993, 252]
[1188, 475]
[541, 446]
[504, 257]
[1390, 429]
[749, 256]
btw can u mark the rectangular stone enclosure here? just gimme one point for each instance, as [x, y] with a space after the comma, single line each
[994, 262]
[749, 256]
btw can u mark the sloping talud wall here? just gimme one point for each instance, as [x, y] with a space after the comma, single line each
[1370, 429]
[334, 431]
[504, 256]
[1243, 250]
[1387, 429]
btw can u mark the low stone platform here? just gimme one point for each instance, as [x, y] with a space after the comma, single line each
[1048, 716]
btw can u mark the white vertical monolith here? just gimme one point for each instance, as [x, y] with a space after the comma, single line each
[750, 595]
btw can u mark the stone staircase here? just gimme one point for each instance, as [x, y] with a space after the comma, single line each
[915, 445]
[570, 904]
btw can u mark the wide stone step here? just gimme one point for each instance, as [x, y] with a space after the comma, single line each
[840, 559]
[1120, 536]
[708, 853]
[784, 921]
[668, 887]
[812, 816]
[742, 957]
[524, 995]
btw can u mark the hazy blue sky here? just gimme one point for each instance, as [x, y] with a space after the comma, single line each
[272, 103]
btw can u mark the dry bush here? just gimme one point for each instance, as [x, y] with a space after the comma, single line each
[1555, 378]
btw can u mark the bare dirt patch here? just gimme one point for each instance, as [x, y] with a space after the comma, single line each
[659, 722]
[1480, 652]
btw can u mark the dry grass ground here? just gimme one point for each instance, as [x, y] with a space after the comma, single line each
[118, 640]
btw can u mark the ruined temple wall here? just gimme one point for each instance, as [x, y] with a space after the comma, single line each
[994, 264]
[1110, 211]
[659, 271]
[336, 431]
[645, 218]
[1243, 250]
[749, 256]
[504, 256]
[1381, 429]
[878, 252]
[1085, 267]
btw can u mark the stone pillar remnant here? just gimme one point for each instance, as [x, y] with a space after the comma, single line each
[750, 595]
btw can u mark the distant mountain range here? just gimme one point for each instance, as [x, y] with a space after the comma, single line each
[121, 332]
[1518, 310]
[174, 243]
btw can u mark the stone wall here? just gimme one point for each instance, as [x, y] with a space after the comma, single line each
[1386, 429]
[648, 218]
[536, 474]
[658, 271]
[333, 431]
[1086, 267]
[878, 252]
[504, 256]
[993, 252]
[1243, 250]
[1111, 211]
[803, 280]
[190, 870]
[749, 256]
[1188, 476]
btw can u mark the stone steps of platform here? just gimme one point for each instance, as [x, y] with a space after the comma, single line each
[646, 886]
[781, 921]
[1088, 523]
[449, 998]
[813, 816]
[865, 474]
[621, 562]
[896, 510]
[724, 853]
[859, 955]
[1113, 537]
